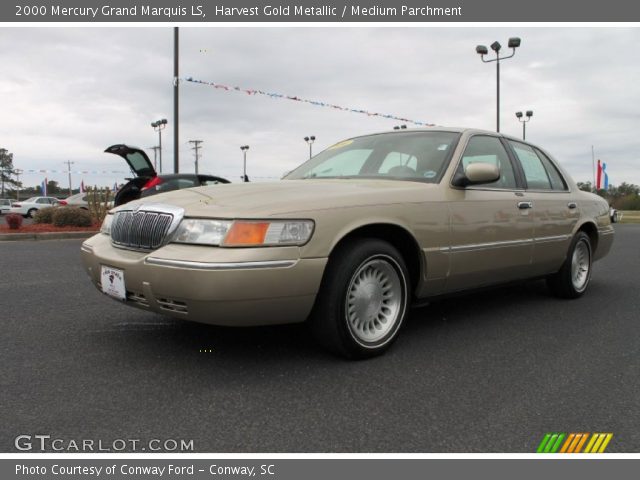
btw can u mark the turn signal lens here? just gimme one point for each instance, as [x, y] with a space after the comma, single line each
[246, 233]
[106, 225]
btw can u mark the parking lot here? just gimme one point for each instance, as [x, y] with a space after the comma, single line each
[488, 372]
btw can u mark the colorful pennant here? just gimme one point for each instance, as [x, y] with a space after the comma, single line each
[251, 91]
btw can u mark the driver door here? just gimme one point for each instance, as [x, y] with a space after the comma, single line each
[491, 227]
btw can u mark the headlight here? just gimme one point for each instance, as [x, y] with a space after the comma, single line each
[204, 232]
[106, 224]
[244, 233]
[268, 233]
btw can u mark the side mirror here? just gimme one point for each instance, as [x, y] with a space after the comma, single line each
[476, 174]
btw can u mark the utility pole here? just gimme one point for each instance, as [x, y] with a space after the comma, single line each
[17, 172]
[593, 167]
[69, 163]
[196, 147]
[176, 99]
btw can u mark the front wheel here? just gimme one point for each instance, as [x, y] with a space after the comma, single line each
[362, 300]
[572, 279]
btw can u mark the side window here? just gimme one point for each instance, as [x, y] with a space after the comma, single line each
[534, 171]
[209, 181]
[557, 182]
[485, 149]
[42, 200]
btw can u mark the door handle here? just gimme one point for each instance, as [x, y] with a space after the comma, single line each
[525, 205]
[572, 205]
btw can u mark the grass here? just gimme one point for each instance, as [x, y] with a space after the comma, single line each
[630, 216]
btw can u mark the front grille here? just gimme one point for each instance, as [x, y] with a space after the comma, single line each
[141, 230]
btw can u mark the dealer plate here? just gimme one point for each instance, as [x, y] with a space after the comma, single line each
[112, 280]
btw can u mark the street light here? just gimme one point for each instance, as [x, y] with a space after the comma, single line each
[310, 141]
[244, 149]
[524, 121]
[481, 50]
[158, 126]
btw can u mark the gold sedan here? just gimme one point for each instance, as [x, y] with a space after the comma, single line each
[351, 238]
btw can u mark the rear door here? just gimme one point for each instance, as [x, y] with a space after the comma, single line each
[555, 211]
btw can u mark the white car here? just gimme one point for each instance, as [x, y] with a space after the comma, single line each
[29, 207]
[5, 205]
[78, 200]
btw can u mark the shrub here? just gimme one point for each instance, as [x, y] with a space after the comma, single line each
[14, 221]
[100, 202]
[71, 217]
[44, 215]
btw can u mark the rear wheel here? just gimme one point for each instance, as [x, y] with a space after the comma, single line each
[572, 280]
[362, 300]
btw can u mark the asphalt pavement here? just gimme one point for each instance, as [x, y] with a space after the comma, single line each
[487, 372]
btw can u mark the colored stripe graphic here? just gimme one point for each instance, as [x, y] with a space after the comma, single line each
[551, 442]
[574, 442]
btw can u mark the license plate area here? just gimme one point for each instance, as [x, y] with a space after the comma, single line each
[112, 281]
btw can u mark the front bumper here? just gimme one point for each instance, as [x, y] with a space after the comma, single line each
[220, 286]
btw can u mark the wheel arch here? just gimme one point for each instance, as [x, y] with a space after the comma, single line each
[398, 236]
[591, 230]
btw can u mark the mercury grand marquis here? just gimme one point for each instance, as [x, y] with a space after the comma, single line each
[354, 236]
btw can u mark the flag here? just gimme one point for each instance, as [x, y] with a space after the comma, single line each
[82, 186]
[598, 176]
[43, 187]
[606, 176]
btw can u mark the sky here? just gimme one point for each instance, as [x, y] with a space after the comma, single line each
[67, 93]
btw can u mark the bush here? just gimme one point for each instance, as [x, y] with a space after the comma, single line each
[14, 221]
[44, 215]
[71, 217]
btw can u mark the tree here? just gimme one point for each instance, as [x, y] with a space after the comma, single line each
[6, 170]
[52, 187]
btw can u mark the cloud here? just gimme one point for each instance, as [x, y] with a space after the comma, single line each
[68, 93]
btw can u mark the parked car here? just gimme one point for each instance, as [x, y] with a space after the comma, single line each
[78, 200]
[613, 214]
[147, 182]
[354, 236]
[28, 208]
[5, 205]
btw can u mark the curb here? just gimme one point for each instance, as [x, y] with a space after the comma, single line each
[9, 237]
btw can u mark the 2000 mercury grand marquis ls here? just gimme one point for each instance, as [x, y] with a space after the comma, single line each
[354, 235]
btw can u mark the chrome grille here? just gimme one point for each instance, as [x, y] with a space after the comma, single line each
[141, 230]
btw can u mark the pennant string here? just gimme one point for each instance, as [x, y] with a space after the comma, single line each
[295, 98]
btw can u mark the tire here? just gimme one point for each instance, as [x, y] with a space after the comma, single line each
[614, 218]
[362, 300]
[572, 280]
[31, 213]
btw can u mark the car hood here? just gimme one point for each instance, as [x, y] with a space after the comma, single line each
[253, 200]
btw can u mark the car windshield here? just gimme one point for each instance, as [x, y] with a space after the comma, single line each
[420, 156]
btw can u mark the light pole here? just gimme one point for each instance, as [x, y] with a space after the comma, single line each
[481, 50]
[155, 156]
[524, 121]
[158, 126]
[244, 149]
[310, 141]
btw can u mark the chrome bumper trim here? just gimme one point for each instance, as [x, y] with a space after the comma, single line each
[163, 262]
